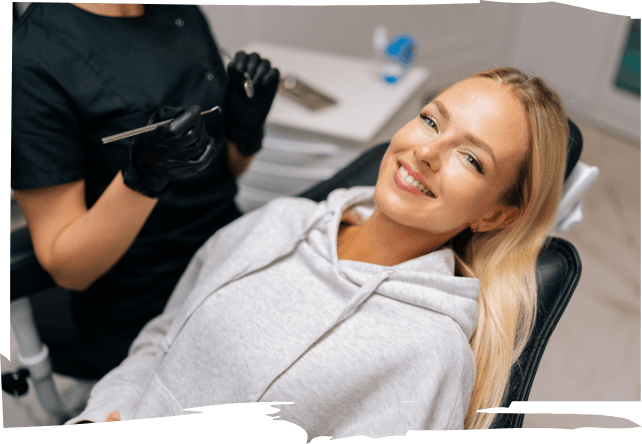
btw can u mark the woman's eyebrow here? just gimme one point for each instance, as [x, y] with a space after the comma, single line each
[442, 110]
[472, 138]
[481, 144]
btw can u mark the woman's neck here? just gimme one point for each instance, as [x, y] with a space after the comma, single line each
[382, 241]
[113, 9]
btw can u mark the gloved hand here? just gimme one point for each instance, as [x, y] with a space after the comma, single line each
[180, 148]
[244, 116]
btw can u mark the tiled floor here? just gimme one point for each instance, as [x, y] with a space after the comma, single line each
[594, 353]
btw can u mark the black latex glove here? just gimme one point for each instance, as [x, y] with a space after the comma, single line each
[180, 148]
[244, 116]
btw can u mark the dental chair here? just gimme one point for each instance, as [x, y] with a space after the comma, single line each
[558, 272]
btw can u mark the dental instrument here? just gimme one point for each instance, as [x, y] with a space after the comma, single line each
[147, 128]
[248, 84]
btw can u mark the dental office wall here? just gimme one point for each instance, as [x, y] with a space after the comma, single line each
[577, 50]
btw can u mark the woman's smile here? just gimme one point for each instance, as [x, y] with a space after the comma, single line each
[408, 179]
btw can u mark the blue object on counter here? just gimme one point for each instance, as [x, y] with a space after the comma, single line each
[400, 50]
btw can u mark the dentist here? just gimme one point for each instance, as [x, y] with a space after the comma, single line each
[117, 224]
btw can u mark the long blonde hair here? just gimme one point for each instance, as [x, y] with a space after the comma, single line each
[504, 259]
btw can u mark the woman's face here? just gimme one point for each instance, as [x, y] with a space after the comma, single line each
[462, 153]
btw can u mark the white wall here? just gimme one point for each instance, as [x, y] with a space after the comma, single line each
[455, 40]
[576, 50]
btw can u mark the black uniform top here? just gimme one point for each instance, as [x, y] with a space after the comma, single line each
[78, 77]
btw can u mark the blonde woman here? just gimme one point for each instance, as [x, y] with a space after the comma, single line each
[382, 309]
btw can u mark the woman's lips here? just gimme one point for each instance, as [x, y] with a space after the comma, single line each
[413, 173]
[403, 173]
[401, 182]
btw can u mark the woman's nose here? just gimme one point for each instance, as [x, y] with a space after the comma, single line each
[429, 154]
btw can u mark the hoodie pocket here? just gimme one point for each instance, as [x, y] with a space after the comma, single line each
[157, 401]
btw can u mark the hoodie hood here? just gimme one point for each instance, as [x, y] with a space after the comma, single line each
[407, 282]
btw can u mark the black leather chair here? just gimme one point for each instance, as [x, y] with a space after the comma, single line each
[558, 271]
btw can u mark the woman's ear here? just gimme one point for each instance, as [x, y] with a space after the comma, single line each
[502, 216]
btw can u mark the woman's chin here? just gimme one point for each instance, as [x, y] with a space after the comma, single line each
[392, 205]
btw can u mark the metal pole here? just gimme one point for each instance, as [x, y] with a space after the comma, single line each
[34, 355]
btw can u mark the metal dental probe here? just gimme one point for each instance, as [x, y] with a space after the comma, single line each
[147, 128]
[249, 83]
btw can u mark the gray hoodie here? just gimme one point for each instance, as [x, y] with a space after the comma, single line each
[267, 312]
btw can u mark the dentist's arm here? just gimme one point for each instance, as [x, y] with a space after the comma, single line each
[77, 245]
[244, 116]
[237, 163]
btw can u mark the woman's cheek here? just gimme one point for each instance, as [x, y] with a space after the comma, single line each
[458, 176]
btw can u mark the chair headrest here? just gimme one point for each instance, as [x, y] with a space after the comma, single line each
[574, 149]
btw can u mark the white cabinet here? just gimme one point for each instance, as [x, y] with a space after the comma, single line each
[302, 147]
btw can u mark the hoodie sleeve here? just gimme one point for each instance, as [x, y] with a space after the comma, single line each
[120, 388]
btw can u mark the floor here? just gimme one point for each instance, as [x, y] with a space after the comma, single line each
[594, 353]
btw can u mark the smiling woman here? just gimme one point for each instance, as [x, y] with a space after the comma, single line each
[381, 309]
[486, 156]
[463, 151]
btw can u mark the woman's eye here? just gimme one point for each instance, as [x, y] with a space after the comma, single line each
[429, 120]
[474, 162]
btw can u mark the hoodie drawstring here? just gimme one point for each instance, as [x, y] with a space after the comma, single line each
[359, 297]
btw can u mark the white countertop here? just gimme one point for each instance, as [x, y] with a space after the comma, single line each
[365, 103]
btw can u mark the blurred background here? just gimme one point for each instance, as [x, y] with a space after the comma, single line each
[578, 50]
[592, 59]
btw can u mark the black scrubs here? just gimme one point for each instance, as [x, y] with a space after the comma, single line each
[78, 77]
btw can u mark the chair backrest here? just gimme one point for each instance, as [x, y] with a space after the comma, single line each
[558, 271]
[574, 149]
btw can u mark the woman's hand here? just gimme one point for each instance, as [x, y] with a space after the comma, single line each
[113, 416]
[245, 116]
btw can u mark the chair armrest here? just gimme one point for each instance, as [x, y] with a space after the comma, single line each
[579, 181]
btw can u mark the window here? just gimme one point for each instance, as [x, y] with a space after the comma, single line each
[628, 77]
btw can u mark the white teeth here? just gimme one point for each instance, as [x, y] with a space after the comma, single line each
[410, 180]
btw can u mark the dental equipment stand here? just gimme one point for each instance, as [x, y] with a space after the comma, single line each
[36, 361]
